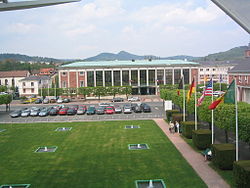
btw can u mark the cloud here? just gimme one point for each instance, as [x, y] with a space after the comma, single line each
[22, 28]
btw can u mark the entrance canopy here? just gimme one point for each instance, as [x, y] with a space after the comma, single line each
[238, 10]
[6, 6]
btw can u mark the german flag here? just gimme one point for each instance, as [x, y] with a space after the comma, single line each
[214, 104]
[191, 90]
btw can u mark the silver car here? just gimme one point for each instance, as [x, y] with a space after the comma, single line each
[127, 109]
[25, 113]
[34, 111]
[118, 109]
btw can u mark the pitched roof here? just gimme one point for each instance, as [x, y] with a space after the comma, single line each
[243, 66]
[6, 74]
[36, 78]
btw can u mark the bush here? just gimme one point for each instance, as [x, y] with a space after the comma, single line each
[177, 117]
[223, 155]
[202, 138]
[187, 127]
[169, 114]
[241, 172]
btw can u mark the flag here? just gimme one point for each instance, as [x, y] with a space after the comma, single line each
[180, 86]
[207, 92]
[228, 97]
[209, 88]
[214, 104]
[230, 94]
[191, 90]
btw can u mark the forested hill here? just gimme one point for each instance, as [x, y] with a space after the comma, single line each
[19, 57]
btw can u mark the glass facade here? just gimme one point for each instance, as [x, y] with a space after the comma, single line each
[186, 76]
[117, 78]
[151, 77]
[108, 78]
[169, 76]
[125, 77]
[177, 76]
[99, 78]
[90, 78]
[134, 77]
[143, 77]
[160, 77]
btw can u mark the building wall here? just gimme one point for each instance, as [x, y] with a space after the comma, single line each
[28, 89]
[9, 79]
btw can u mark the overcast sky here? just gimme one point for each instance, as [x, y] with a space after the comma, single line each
[143, 27]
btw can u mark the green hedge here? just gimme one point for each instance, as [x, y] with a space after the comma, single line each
[169, 114]
[177, 117]
[241, 172]
[187, 127]
[202, 138]
[223, 155]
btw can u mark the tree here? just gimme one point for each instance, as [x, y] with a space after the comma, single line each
[3, 88]
[6, 99]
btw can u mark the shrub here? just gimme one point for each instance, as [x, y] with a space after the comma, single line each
[241, 172]
[202, 138]
[187, 127]
[169, 114]
[223, 155]
[177, 117]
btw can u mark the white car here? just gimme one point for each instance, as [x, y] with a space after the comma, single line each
[59, 100]
[133, 99]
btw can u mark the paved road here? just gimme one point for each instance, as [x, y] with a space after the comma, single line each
[156, 107]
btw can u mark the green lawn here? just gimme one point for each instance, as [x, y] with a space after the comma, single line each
[91, 155]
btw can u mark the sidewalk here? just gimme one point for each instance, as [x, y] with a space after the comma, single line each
[196, 160]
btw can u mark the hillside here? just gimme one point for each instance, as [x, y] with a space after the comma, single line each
[232, 54]
[20, 57]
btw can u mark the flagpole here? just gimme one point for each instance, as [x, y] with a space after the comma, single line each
[195, 104]
[212, 111]
[184, 99]
[236, 121]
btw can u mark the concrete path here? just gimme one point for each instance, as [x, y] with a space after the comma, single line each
[196, 160]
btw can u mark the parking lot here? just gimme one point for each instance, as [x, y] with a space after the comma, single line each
[156, 112]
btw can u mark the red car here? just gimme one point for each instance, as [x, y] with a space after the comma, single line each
[110, 110]
[83, 106]
[63, 111]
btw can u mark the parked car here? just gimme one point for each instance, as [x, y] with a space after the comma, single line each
[138, 109]
[91, 110]
[71, 111]
[54, 111]
[66, 100]
[118, 109]
[38, 101]
[81, 110]
[109, 110]
[145, 107]
[63, 111]
[46, 101]
[104, 104]
[100, 110]
[59, 100]
[34, 111]
[44, 112]
[16, 113]
[52, 100]
[127, 109]
[117, 99]
[133, 99]
[25, 113]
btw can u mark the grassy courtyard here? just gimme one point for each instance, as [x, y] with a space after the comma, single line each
[91, 155]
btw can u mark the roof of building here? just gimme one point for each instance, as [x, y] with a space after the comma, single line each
[136, 63]
[243, 66]
[35, 78]
[7, 74]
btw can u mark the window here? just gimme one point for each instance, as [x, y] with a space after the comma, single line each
[117, 78]
[13, 82]
[24, 90]
[201, 69]
[214, 69]
[108, 78]
[0, 82]
[186, 76]
[134, 77]
[169, 75]
[90, 78]
[64, 84]
[24, 84]
[6, 82]
[207, 69]
[151, 77]
[160, 77]
[177, 76]
[143, 77]
[125, 77]
[81, 73]
[32, 90]
[81, 83]
[99, 78]
[32, 83]
[64, 73]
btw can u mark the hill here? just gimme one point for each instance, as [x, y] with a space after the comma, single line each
[20, 57]
[232, 54]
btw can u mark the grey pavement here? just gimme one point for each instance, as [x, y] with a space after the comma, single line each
[195, 159]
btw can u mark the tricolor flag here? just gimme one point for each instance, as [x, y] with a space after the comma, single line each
[180, 86]
[207, 92]
[228, 97]
[191, 90]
